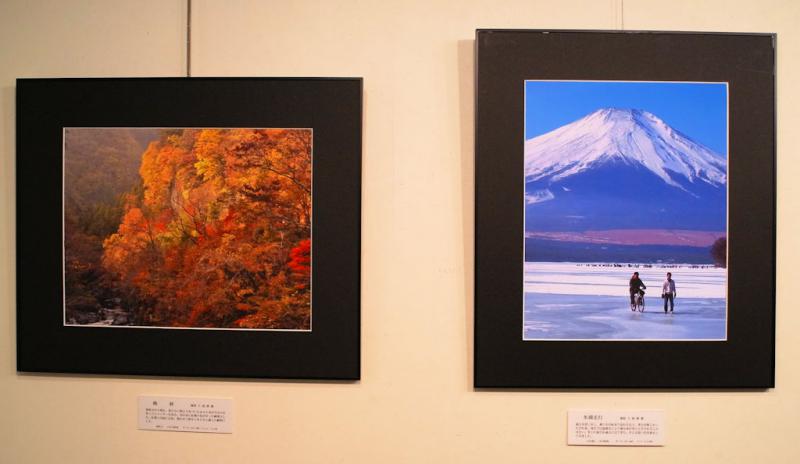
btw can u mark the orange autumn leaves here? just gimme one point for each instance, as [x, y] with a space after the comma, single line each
[219, 233]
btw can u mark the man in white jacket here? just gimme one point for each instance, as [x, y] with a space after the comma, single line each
[668, 293]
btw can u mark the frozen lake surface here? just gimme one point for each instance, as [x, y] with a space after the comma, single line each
[580, 301]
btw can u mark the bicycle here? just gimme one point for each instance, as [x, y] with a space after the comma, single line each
[638, 301]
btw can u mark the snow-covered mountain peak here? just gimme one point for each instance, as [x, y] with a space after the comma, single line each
[617, 114]
[632, 136]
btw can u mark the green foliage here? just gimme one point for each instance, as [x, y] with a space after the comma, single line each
[100, 172]
[101, 220]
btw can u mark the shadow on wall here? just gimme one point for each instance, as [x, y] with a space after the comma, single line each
[466, 93]
[8, 208]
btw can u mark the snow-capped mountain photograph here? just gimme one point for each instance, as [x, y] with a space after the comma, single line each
[625, 182]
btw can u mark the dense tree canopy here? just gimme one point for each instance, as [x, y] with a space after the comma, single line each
[218, 232]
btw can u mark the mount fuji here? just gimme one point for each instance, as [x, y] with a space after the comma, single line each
[623, 169]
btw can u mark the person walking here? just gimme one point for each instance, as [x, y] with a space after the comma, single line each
[668, 293]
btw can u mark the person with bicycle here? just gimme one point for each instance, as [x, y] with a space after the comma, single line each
[636, 286]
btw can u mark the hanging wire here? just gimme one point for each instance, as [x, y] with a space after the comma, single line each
[188, 38]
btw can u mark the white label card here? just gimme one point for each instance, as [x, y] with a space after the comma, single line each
[605, 427]
[181, 414]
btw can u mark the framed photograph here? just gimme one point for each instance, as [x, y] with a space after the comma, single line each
[625, 209]
[189, 227]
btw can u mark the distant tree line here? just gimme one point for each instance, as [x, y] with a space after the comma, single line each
[719, 252]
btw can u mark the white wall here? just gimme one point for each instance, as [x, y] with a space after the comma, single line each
[415, 402]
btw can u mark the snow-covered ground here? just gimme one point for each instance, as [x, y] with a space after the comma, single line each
[580, 301]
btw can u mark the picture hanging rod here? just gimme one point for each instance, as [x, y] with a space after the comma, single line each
[188, 38]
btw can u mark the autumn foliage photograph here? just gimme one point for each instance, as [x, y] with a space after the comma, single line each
[187, 228]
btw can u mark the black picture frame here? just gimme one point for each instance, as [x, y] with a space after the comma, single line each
[504, 60]
[332, 107]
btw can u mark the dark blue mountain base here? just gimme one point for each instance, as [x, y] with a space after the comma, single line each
[622, 195]
[540, 250]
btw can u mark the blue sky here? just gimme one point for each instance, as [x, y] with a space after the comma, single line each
[699, 110]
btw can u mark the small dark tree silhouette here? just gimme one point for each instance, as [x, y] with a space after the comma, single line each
[719, 252]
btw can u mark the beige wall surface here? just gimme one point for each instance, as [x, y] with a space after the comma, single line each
[415, 402]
